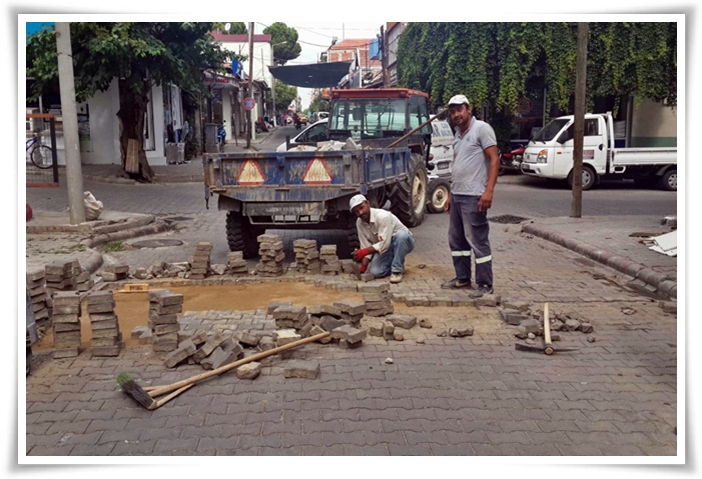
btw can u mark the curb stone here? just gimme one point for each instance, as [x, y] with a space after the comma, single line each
[658, 281]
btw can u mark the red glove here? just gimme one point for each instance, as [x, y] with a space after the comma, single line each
[359, 254]
[363, 268]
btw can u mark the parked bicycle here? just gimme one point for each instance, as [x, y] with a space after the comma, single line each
[41, 156]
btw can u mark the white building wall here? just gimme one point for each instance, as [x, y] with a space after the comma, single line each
[655, 120]
[158, 155]
[103, 147]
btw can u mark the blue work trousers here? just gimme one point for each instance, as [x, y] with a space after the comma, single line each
[468, 236]
[393, 260]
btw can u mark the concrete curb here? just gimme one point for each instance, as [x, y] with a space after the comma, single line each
[656, 280]
[150, 229]
[87, 228]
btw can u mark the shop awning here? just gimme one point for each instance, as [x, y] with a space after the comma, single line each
[313, 75]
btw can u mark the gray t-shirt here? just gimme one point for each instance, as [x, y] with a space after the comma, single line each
[470, 166]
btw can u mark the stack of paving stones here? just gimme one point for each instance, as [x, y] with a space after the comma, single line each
[200, 261]
[163, 320]
[115, 272]
[59, 276]
[236, 264]
[211, 351]
[270, 249]
[377, 300]
[330, 261]
[106, 338]
[83, 280]
[287, 316]
[351, 311]
[306, 256]
[347, 266]
[66, 324]
[36, 284]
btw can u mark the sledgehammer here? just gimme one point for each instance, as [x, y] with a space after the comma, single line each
[547, 347]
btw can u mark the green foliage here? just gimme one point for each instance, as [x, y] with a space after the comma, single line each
[284, 41]
[496, 64]
[142, 53]
[235, 28]
[284, 95]
[319, 104]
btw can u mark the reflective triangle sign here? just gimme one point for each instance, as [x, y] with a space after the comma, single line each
[317, 173]
[250, 174]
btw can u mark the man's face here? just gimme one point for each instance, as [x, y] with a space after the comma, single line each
[460, 115]
[363, 211]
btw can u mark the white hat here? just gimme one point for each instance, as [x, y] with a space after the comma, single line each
[356, 200]
[459, 100]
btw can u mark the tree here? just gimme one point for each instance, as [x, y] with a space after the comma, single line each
[284, 41]
[497, 64]
[284, 95]
[235, 28]
[319, 104]
[140, 55]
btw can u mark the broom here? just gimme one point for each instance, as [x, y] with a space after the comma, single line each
[145, 396]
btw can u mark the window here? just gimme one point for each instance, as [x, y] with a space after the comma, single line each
[418, 113]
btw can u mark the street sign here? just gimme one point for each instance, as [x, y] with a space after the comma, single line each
[249, 103]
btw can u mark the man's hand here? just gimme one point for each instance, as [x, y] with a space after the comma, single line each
[485, 201]
[359, 254]
[447, 205]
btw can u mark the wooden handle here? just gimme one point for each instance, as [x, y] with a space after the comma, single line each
[548, 349]
[215, 372]
[396, 142]
[161, 402]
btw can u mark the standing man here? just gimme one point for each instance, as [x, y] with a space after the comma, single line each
[474, 175]
[384, 237]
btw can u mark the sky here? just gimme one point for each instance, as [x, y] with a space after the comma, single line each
[316, 37]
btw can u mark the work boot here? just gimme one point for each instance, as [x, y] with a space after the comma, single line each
[456, 283]
[396, 278]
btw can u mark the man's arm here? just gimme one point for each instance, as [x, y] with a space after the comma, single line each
[486, 199]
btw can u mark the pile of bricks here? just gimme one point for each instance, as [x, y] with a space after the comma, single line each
[66, 324]
[270, 250]
[236, 264]
[83, 281]
[200, 261]
[377, 300]
[61, 276]
[163, 320]
[106, 338]
[306, 256]
[36, 284]
[287, 316]
[351, 311]
[330, 261]
[115, 272]
[347, 266]
[209, 351]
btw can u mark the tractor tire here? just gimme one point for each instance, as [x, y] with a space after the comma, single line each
[348, 222]
[439, 191]
[408, 197]
[241, 235]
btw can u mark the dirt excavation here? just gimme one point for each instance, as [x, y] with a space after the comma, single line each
[132, 308]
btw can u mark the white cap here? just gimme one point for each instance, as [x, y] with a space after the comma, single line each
[355, 201]
[459, 100]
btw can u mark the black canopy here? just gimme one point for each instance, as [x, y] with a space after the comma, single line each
[313, 75]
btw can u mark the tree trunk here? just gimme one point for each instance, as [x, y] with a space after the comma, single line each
[132, 109]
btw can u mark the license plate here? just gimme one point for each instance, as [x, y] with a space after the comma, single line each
[443, 166]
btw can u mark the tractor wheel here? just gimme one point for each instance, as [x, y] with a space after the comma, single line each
[241, 235]
[408, 197]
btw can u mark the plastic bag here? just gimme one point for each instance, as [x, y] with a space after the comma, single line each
[93, 207]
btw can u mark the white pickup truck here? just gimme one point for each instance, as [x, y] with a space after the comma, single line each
[550, 155]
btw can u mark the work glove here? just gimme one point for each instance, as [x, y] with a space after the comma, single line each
[363, 268]
[359, 254]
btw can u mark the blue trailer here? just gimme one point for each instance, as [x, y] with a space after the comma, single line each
[311, 189]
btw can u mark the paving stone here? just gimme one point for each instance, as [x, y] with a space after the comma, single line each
[165, 298]
[247, 339]
[402, 321]
[185, 349]
[211, 344]
[388, 330]
[488, 300]
[219, 358]
[286, 336]
[349, 334]
[318, 330]
[586, 328]
[531, 325]
[301, 369]
[343, 344]
[329, 323]
[461, 332]
[512, 316]
[249, 371]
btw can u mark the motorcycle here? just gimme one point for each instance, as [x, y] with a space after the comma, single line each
[512, 160]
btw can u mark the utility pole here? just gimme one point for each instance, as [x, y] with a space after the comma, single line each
[576, 208]
[69, 116]
[384, 55]
[249, 130]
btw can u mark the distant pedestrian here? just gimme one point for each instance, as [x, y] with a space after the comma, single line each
[385, 241]
[474, 176]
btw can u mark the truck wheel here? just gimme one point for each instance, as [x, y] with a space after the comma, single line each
[408, 197]
[669, 180]
[241, 235]
[351, 235]
[438, 195]
[589, 178]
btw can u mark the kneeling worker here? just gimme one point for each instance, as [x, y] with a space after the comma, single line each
[384, 237]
